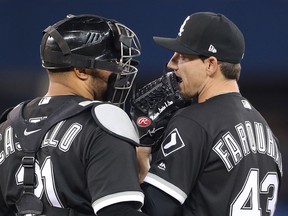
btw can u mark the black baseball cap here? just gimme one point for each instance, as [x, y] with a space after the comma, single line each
[207, 34]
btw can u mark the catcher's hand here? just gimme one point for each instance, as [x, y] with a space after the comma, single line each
[153, 105]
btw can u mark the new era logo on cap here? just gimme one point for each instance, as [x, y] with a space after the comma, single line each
[212, 49]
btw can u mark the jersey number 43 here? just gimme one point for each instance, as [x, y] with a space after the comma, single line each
[247, 202]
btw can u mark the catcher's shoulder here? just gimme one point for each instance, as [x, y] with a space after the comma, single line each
[115, 121]
[3, 116]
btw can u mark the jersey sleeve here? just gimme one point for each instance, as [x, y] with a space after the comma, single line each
[112, 172]
[180, 158]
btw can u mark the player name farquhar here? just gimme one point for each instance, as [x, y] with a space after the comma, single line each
[253, 138]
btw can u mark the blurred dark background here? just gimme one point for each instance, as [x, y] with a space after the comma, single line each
[264, 75]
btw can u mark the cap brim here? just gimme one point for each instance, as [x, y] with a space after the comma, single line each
[174, 44]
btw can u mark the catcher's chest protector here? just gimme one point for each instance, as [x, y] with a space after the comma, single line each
[28, 203]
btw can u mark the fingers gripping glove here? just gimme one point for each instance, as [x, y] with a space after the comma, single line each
[152, 107]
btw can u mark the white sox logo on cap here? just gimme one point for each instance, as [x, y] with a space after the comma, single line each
[182, 26]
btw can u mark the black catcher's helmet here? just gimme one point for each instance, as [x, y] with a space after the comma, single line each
[90, 41]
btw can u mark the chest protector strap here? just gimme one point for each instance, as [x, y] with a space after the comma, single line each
[28, 203]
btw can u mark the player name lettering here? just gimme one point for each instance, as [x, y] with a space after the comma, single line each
[51, 139]
[253, 138]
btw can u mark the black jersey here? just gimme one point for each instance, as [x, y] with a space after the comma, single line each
[219, 158]
[78, 166]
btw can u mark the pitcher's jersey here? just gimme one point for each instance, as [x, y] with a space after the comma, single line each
[219, 158]
[78, 165]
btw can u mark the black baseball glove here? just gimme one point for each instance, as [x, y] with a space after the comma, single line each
[153, 105]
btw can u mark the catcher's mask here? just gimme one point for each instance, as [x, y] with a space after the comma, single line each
[89, 41]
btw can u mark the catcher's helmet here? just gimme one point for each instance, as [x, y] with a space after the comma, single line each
[90, 41]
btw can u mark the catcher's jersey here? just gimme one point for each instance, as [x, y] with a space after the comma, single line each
[219, 158]
[78, 165]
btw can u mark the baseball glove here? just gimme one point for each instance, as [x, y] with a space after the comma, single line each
[153, 105]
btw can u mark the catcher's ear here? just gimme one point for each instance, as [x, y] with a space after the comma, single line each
[80, 73]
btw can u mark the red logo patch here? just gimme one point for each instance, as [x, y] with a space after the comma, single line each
[143, 121]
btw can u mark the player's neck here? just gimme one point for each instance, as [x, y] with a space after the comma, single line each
[218, 88]
[61, 89]
[67, 84]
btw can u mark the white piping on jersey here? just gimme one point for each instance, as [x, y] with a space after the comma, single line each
[166, 186]
[127, 196]
[86, 103]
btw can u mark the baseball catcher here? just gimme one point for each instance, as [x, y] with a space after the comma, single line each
[72, 150]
